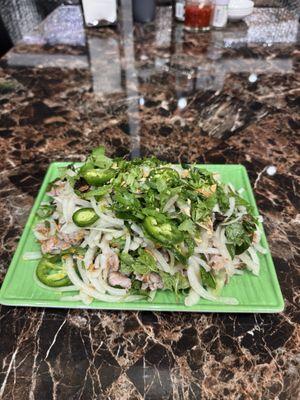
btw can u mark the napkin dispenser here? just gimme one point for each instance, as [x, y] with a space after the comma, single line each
[99, 12]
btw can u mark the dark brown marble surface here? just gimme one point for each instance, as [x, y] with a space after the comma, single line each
[221, 97]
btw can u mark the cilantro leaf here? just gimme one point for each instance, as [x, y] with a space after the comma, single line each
[175, 282]
[136, 288]
[223, 199]
[99, 159]
[145, 263]
[200, 177]
[202, 209]
[188, 226]
[126, 263]
[118, 243]
[207, 278]
[240, 235]
[127, 205]
[239, 201]
[97, 193]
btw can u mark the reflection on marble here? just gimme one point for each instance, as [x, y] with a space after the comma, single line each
[272, 26]
[130, 76]
[105, 80]
[47, 60]
[63, 26]
[18, 17]
[185, 97]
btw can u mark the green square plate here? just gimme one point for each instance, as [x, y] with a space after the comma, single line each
[255, 294]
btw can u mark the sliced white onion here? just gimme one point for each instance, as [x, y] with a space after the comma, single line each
[118, 234]
[93, 238]
[80, 202]
[53, 227]
[137, 230]
[39, 236]
[207, 250]
[192, 273]
[97, 285]
[68, 208]
[220, 242]
[93, 292]
[97, 239]
[232, 221]
[172, 259]
[176, 167]
[230, 185]
[230, 269]
[185, 208]
[111, 290]
[254, 268]
[55, 215]
[70, 228]
[104, 245]
[106, 230]
[100, 265]
[127, 243]
[89, 256]
[199, 260]
[162, 262]
[231, 207]
[32, 255]
[83, 244]
[260, 249]
[97, 262]
[95, 207]
[113, 221]
[102, 286]
[193, 276]
[94, 273]
[192, 298]
[87, 289]
[253, 255]
[148, 243]
[216, 208]
[204, 239]
[170, 203]
[136, 243]
[86, 299]
[238, 271]
[82, 271]
[70, 172]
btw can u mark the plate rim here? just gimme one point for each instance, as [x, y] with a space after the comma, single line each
[205, 308]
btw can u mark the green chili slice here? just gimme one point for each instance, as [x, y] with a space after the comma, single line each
[50, 271]
[84, 217]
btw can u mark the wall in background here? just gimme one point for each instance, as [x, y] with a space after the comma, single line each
[292, 4]
[18, 17]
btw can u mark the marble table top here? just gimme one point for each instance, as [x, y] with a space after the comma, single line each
[228, 96]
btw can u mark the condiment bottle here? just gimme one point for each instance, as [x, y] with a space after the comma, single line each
[99, 12]
[143, 10]
[179, 6]
[220, 14]
[198, 15]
